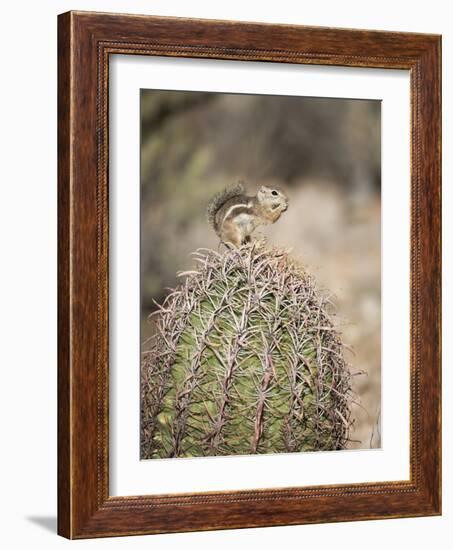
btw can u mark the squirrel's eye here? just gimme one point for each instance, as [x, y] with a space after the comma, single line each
[275, 193]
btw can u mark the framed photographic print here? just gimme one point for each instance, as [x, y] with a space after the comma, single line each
[249, 275]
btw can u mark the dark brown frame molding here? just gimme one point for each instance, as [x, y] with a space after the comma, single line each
[85, 42]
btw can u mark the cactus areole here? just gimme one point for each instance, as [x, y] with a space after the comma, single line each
[245, 359]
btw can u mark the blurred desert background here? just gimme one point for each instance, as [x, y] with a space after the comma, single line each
[323, 153]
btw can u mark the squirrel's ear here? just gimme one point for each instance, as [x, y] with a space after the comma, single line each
[264, 189]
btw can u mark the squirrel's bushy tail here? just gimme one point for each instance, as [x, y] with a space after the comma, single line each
[220, 199]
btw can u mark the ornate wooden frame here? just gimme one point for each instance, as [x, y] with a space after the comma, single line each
[85, 42]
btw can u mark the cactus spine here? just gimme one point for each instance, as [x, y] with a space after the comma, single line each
[245, 359]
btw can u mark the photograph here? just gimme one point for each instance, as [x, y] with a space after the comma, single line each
[260, 274]
[225, 226]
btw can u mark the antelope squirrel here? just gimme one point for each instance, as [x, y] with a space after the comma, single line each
[234, 215]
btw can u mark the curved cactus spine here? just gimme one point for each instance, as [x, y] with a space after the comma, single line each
[245, 359]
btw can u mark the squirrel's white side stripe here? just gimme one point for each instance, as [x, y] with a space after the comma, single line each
[230, 210]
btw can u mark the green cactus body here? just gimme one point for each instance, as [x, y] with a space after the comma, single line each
[245, 359]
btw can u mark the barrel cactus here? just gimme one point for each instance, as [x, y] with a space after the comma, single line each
[245, 359]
